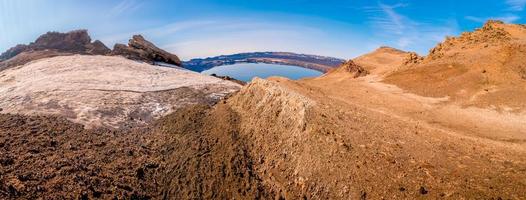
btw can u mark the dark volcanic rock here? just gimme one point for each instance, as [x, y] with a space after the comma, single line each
[53, 44]
[98, 48]
[353, 68]
[13, 51]
[140, 49]
[74, 41]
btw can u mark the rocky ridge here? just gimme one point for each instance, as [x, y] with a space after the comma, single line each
[483, 68]
[54, 44]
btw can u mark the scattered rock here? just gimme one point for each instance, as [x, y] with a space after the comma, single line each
[413, 58]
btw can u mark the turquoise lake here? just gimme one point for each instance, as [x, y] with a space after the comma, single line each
[247, 71]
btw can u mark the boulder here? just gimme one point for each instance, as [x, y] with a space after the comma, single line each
[140, 49]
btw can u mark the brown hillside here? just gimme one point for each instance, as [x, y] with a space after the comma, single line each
[384, 60]
[485, 68]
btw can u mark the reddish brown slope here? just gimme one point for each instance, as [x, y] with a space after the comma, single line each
[485, 68]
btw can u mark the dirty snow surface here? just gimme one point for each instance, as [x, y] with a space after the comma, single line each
[104, 90]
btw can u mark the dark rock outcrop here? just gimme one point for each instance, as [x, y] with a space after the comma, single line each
[98, 48]
[53, 44]
[228, 78]
[13, 51]
[352, 68]
[140, 49]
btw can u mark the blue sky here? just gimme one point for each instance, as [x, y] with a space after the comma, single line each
[201, 28]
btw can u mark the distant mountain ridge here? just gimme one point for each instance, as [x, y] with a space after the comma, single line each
[319, 63]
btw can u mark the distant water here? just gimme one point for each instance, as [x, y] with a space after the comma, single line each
[247, 71]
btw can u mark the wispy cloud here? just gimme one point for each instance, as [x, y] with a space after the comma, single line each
[405, 33]
[516, 5]
[125, 6]
[510, 18]
[212, 37]
[171, 29]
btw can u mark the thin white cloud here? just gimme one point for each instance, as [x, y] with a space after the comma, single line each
[166, 30]
[516, 5]
[507, 18]
[403, 32]
[219, 36]
[125, 6]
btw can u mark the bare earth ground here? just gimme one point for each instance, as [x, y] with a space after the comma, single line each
[274, 139]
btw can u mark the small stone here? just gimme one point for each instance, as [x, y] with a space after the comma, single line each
[423, 191]
[140, 173]
[152, 165]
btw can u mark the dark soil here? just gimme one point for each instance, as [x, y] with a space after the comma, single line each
[186, 155]
[52, 158]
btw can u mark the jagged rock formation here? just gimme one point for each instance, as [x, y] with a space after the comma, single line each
[140, 49]
[351, 68]
[105, 91]
[413, 58]
[53, 44]
[482, 68]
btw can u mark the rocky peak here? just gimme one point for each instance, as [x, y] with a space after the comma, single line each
[140, 49]
[386, 49]
[77, 41]
[72, 41]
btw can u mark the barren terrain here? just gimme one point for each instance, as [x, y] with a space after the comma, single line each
[388, 125]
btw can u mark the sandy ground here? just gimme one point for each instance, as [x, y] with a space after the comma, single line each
[324, 138]
[103, 90]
